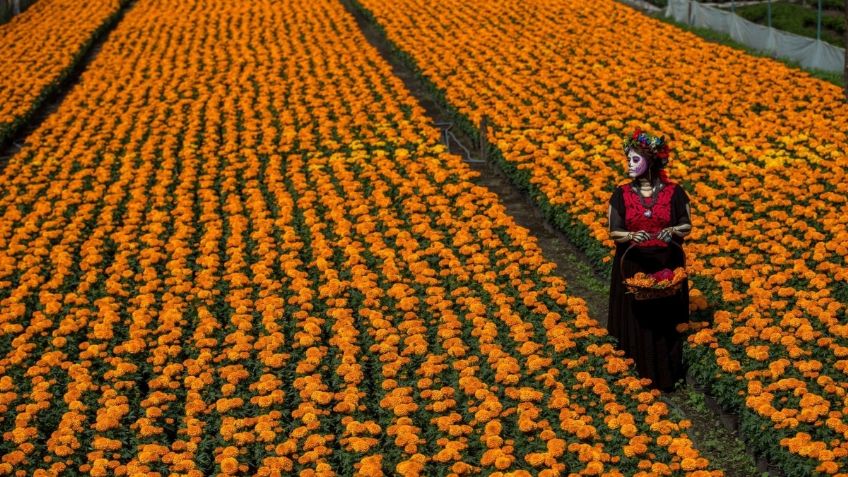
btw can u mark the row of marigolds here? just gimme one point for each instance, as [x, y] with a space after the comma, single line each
[759, 146]
[237, 248]
[40, 47]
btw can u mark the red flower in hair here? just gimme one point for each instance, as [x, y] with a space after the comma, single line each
[663, 152]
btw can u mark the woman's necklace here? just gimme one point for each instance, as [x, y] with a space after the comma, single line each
[648, 212]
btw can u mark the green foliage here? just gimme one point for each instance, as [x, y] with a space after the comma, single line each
[721, 446]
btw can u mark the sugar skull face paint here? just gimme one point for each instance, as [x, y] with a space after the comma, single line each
[636, 164]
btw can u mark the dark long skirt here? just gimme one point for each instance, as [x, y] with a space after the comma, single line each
[645, 329]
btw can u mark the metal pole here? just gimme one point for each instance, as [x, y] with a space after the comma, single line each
[818, 22]
[732, 6]
[769, 13]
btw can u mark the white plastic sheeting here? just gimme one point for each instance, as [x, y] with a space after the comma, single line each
[807, 52]
[10, 8]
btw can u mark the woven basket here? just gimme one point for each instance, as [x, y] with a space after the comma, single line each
[649, 293]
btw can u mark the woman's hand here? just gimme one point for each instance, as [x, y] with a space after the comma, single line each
[666, 233]
[639, 236]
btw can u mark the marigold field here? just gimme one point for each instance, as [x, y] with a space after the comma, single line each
[40, 48]
[237, 247]
[761, 147]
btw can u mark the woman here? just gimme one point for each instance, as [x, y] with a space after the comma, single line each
[649, 213]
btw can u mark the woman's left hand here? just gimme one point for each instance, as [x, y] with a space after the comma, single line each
[665, 234]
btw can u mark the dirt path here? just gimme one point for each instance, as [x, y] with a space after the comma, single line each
[571, 263]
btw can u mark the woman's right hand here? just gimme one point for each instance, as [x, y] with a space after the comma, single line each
[640, 236]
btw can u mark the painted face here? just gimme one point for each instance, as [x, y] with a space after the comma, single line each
[636, 164]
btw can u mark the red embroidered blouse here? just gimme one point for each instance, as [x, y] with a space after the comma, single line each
[662, 215]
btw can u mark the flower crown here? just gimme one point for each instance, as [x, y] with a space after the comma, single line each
[656, 146]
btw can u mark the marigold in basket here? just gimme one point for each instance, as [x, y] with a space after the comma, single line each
[661, 279]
